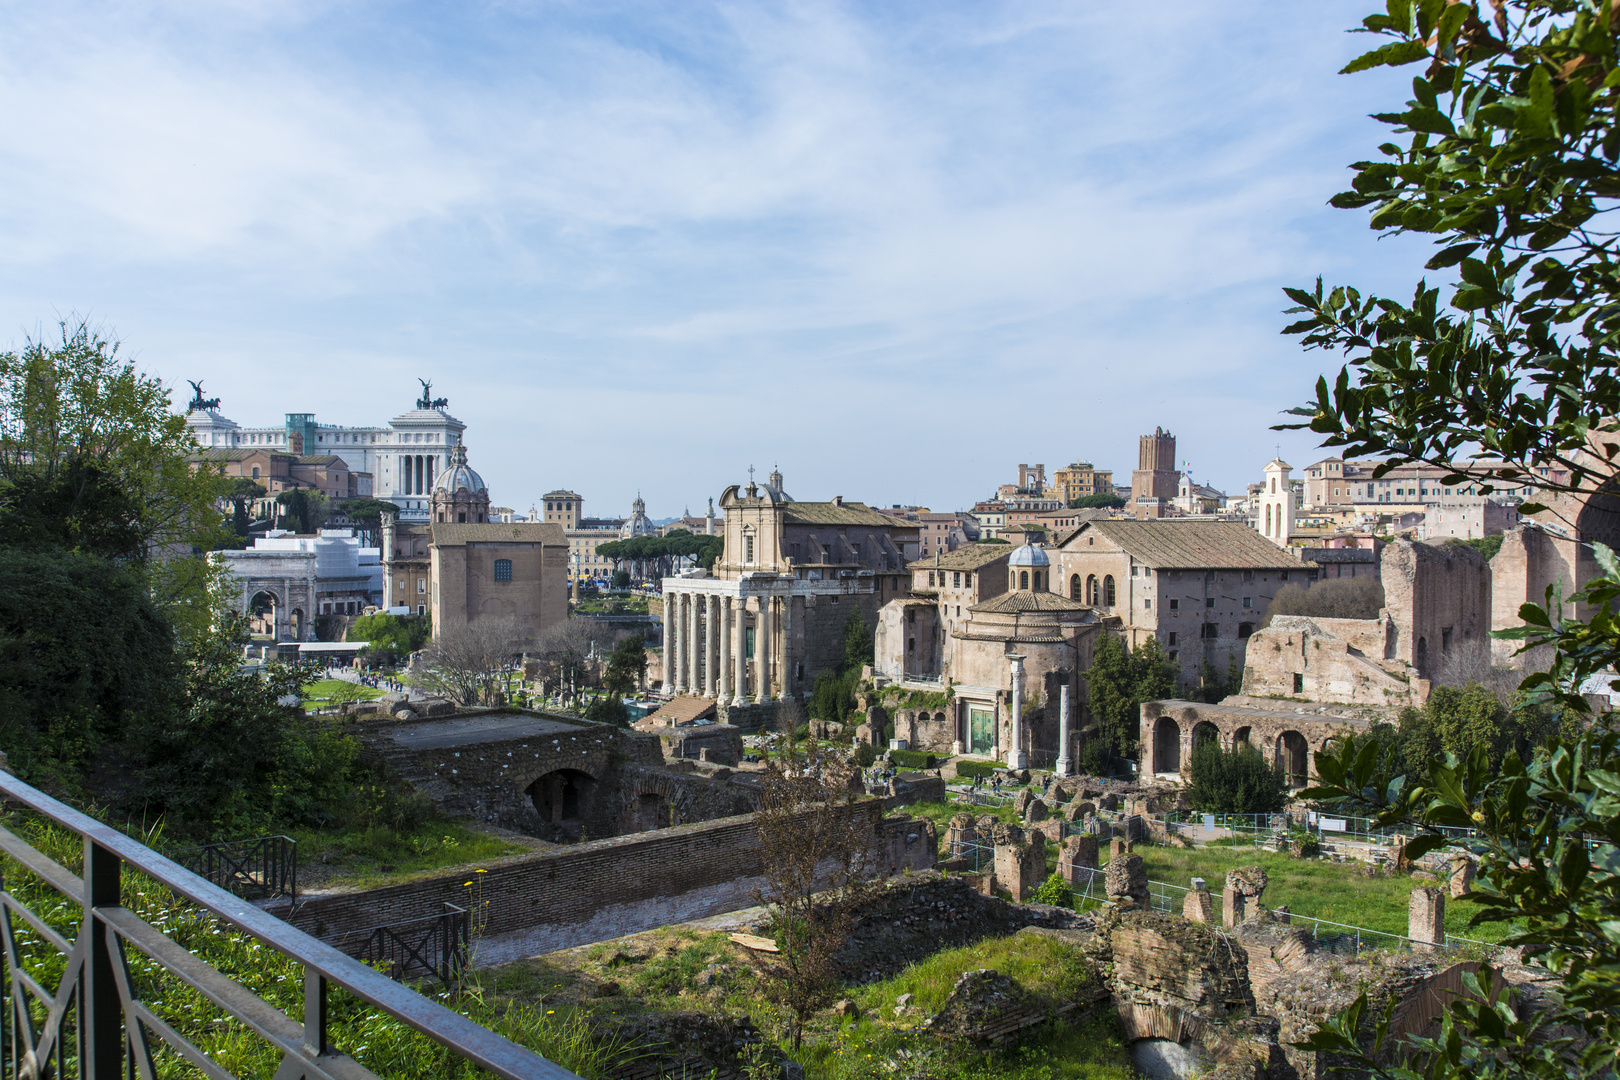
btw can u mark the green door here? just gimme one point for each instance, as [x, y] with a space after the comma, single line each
[981, 730]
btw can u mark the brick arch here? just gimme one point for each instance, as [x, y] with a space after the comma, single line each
[652, 802]
[1262, 728]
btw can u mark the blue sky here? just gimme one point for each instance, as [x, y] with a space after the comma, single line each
[896, 248]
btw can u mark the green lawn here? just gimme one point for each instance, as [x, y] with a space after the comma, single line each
[323, 689]
[1327, 890]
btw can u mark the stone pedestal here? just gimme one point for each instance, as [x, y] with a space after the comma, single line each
[1077, 861]
[1462, 876]
[1199, 905]
[1241, 897]
[1426, 917]
[1127, 883]
[1020, 861]
[962, 835]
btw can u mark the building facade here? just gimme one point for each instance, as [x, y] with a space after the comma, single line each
[1155, 479]
[286, 583]
[403, 458]
[1081, 479]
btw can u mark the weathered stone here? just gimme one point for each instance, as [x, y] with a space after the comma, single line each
[1110, 802]
[1075, 811]
[1198, 906]
[1037, 810]
[1426, 917]
[986, 1006]
[1022, 800]
[1020, 862]
[962, 835]
[1126, 881]
[1247, 880]
[846, 1009]
[1462, 876]
[1118, 846]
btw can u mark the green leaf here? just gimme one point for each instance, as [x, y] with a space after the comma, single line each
[1541, 94]
[1419, 846]
[1451, 256]
[1526, 509]
[1605, 557]
[1392, 55]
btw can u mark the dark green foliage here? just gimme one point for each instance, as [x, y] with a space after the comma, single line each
[398, 635]
[1055, 891]
[1487, 546]
[241, 491]
[1100, 501]
[1094, 758]
[912, 759]
[1119, 682]
[608, 710]
[1236, 781]
[1335, 598]
[977, 768]
[366, 517]
[655, 555]
[1459, 721]
[78, 507]
[621, 579]
[833, 696]
[82, 649]
[302, 510]
[626, 667]
[857, 643]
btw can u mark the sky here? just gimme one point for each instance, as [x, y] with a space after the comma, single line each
[893, 248]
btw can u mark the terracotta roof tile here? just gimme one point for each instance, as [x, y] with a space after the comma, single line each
[454, 534]
[1011, 603]
[970, 557]
[826, 513]
[1191, 545]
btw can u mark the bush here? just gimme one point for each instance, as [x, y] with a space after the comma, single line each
[977, 768]
[912, 759]
[1055, 891]
[1095, 760]
[1237, 781]
[865, 755]
[608, 710]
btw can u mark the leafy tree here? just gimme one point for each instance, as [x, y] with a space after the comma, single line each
[92, 460]
[304, 509]
[832, 697]
[84, 652]
[609, 710]
[1119, 681]
[241, 491]
[366, 517]
[1236, 781]
[857, 643]
[1509, 162]
[394, 634]
[626, 667]
[1099, 501]
[621, 579]
[1487, 546]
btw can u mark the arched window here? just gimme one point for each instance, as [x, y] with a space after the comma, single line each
[1074, 587]
[503, 569]
[1023, 579]
[255, 472]
[1108, 591]
[1091, 590]
[1267, 530]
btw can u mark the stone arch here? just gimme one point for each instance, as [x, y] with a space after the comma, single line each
[296, 624]
[264, 609]
[1242, 737]
[651, 802]
[1166, 746]
[1109, 595]
[563, 796]
[1205, 731]
[1074, 586]
[1091, 590]
[1294, 758]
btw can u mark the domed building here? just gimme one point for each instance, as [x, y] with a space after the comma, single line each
[459, 494]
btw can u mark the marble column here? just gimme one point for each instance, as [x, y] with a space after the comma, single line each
[1063, 765]
[722, 652]
[674, 653]
[1016, 758]
[784, 650]
[711, 641]
[762, 652]
[739, 652]
[694, 644]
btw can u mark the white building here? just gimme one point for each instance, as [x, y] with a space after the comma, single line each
[285, 580]
[404, 458]
[1277, 504]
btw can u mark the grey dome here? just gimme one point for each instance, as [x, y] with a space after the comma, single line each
[1028, 555]
[459, 474]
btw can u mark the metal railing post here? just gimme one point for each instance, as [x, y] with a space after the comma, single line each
[101, 1034]
[315, 1012]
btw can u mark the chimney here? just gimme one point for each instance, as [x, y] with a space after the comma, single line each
[838, 500]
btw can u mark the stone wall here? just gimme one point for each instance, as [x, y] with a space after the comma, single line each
[1286, 736]
[930, 730]
[1530, 559]
[1343, 661]
[599, 890]
[1439, 600]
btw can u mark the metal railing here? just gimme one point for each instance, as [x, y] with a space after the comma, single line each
[432, 947]
[93, 1024]
[259, 869]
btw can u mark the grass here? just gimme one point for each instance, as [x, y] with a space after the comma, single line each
[379, 1042]
[1313, 887]
[325, 689]
[365, 858]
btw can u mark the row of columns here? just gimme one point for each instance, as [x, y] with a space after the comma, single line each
[705, 646]
[416, 470]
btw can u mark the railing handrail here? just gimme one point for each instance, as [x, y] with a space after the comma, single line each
[466, 1038]
[227, 843]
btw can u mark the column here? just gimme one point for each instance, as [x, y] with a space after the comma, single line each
[1016, 758]
[784, 649]
[674, 629]
[711, 655]
[694, 644]
[762, 652]
[723, 650]
[739, 654]
[1063, 767]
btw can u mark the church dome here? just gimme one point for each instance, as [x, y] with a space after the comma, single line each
[1028, 554]
[459, 474]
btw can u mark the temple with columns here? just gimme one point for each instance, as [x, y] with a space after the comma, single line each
[771, 615]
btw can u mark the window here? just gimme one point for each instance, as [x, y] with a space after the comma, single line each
[1299, 683]
[1147, 605]
[1023, 579]
[1175, 605]
[956, 580]
[1134, 570]
[1108, 591]
[255, 472]
[748, 550]
[1245, 629]
[1074, 587]
[1091, 590]
[1172, 637]
[1173, 655]
[503, 569]
[421, 586]
[1283, 576]
[1210, 630]
[1248, 601]
[1445, 639]
[930, 579]
[1248, 576]
[1209, 601]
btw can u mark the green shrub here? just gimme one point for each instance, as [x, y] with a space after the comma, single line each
[977, 768]
[912, 759]
[865, 755]
[1055, 891]
[608, 710]
[1236, 781]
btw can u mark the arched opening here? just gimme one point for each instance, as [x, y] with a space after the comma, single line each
[1204, 732]
[1074, 586]
[562, 798]
[1293, 758]
[1091, 590]
[262, 613]
[295, 624]
[1166, 746]
[1423, 656]
[1267, 530]
[1240, 737]
[1023, 579]
[1108, 591]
